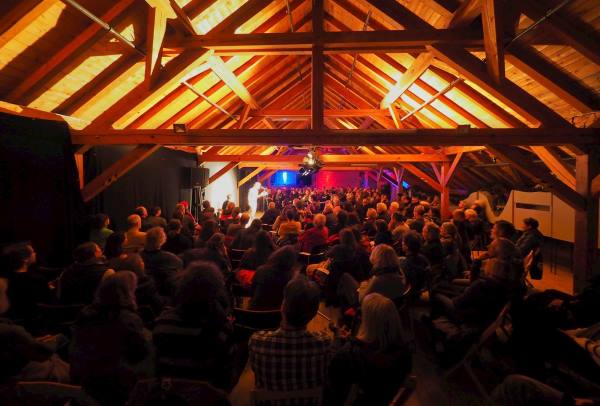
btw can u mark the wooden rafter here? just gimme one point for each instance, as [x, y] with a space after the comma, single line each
[553, 161]
[536, 66]
[15, 109]
[493, 37]
[117, 170]
[57, 59]
[559, 24]
[420, 65]
[520, 160]
[158, 13]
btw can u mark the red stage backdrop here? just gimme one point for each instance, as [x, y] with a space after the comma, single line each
[327, 179]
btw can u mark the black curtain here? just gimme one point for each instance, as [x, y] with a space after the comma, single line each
[156, 181]
[40, 200]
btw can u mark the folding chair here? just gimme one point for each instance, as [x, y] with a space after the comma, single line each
[235, 256]
[292, 397]
[55, 391]
[488, 334]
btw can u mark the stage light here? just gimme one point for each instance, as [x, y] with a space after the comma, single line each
[179, 128]
[310, 164]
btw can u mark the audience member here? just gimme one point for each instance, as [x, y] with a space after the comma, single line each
[270, 215]
[245, 238]
[260, 251]
[109, 341]
[155, 219]
[114, 245]
[383, 235]
[531, 239]
[271, 278]
[177, 242]
[432, 248]
[415, 266]
[79, 282]
[27, 286]
[136, 239]
[23, 358]
[273, 354]
[376, 360]
[289, 227]
[316, 236]
[194, 339]
[161, 265]
[99, 231]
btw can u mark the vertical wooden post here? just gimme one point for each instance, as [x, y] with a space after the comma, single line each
[79, 163]
[318, 69]
[586, 220]
[445, 195]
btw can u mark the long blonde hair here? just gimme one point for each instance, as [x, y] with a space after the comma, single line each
[380, 324]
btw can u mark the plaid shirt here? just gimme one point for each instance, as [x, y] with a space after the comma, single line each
[285, 360]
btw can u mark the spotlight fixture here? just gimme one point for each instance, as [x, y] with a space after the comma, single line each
[311, 163]
[179, 128]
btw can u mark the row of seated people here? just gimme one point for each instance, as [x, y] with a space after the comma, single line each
[193, 337]
[473, 301]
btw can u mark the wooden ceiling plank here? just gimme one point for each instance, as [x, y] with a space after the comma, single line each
[559, 82]
[141, 98]
[240, 16]
[493, 37]
[564, 27]
[509, 93]
[19, 18]
[73, 46]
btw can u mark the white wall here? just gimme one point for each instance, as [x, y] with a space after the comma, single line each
[556, 221]
[217, 192]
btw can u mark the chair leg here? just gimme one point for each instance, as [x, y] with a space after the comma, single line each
[474, 378]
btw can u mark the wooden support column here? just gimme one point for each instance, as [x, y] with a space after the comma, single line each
[79, 163]
[445, 195]
[318, 69]
[116, 170]
[586, 220]
[159, 12]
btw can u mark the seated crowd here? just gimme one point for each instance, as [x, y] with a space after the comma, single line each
[163, 299]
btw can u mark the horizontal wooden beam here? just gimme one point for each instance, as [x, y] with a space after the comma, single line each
[339, 41]
[24, 111]
[304, 114]
[408, 137]
[329, 159]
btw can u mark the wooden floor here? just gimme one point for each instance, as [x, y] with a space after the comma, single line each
[432, 389]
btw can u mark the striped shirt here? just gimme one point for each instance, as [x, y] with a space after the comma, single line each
[287, 360]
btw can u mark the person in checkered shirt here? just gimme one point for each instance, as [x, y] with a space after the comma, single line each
[292, 358]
